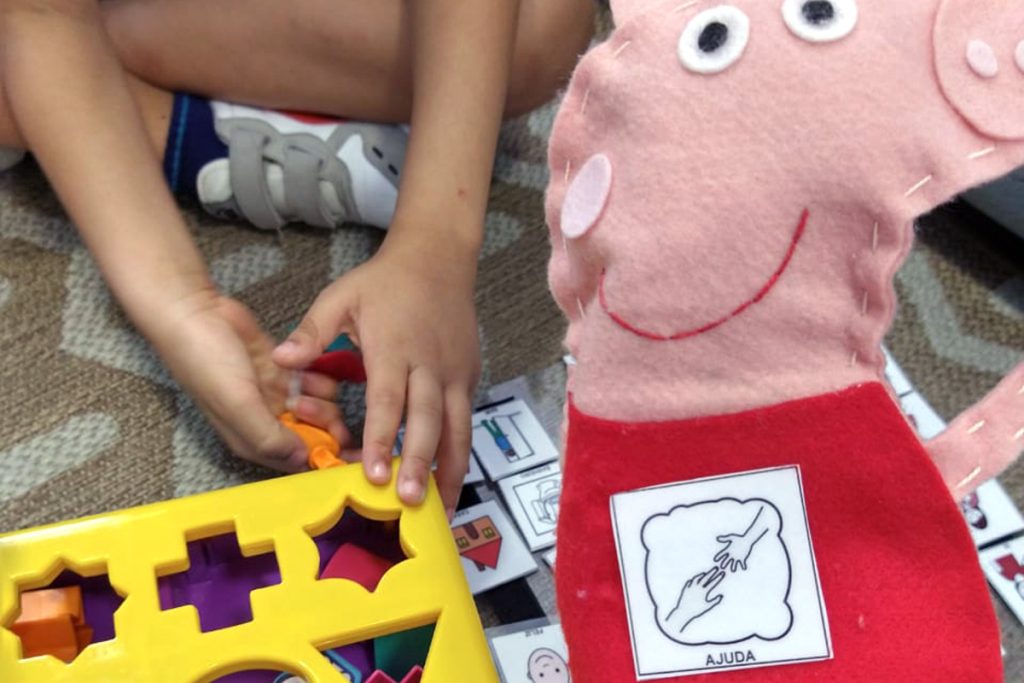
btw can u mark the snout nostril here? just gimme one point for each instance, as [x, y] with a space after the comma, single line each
[982, 59]
[1020, 55]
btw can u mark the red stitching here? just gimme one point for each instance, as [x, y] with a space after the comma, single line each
[710, 326]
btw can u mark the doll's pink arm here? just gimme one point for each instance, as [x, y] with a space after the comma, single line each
[983, 440]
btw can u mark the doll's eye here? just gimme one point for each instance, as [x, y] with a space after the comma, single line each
[820, 21]
[714, 40]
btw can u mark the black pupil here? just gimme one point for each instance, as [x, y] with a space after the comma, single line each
[713, 36]
[819, 12]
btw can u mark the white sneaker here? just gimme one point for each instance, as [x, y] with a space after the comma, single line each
[284, 168]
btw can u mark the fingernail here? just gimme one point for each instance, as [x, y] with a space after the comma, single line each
[411, 492]
[291, 403]
[379, 472]
[288, 346]
[450, 512]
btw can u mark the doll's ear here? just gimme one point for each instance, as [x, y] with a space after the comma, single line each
[979, 58]
[624, 10]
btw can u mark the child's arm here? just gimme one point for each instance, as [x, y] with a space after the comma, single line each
[411, 307]
[68, 96]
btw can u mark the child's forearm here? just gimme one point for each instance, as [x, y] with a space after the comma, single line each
[69, 98]
[461, 57]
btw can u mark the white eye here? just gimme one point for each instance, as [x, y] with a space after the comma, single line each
[820, 21]
[714, 39]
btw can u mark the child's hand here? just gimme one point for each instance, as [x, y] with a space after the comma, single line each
[216, 350]
[410, 310]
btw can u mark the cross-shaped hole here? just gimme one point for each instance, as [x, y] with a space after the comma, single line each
[218, 581]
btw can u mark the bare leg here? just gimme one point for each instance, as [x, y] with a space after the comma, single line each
[153, 103]
[344, 57]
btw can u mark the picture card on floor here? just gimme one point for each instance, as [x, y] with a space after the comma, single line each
[508, 438]
[991, 513]
[492, 552]
[1003, 565]
[719, 574]
[474, 475]
[897, 378]
[532, 498]
[924, 418]
[517, 387]
[549, 558]
[532, 654]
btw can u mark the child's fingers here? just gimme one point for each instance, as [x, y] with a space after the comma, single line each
[321, 413]
[256, 435]
[385, 398]
[326, 318]
[425, 413]
[454, 449]
[319, 386]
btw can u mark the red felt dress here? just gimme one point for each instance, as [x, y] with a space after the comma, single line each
[904, 592]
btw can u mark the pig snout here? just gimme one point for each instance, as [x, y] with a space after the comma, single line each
[979, 59]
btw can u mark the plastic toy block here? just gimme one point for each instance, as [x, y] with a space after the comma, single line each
[342, 365]
[51, 637]
[323, 448]
[401, 652]
[51, 603]
[51, 622]
[341, 343]
[414, 676]
[287, 518]
[356, 564]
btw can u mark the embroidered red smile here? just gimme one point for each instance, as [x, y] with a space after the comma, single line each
[684, 334]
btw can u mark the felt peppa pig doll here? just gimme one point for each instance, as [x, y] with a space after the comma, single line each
[733, 188]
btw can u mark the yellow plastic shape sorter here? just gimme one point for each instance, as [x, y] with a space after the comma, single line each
[292, 621]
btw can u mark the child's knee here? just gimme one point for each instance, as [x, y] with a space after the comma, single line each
[129, 27]
[551, 37]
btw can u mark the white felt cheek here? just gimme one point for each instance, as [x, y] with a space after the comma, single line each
[586, 197]
[982, 59]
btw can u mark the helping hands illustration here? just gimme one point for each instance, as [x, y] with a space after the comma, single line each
[698, 595]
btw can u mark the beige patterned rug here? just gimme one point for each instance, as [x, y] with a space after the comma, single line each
[92, 423]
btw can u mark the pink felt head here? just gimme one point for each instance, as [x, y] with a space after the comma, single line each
[732, 187]
[624, 10]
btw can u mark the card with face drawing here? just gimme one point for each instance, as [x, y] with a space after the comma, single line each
[508, 438]
[491, 549]
[1004, 567]
[530, 653]
[991, 514]
[532, 498]
[719, 574]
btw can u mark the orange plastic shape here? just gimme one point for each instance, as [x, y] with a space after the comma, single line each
[52, 622]
[323, 448]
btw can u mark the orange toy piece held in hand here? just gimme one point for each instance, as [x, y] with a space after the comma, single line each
[344, 366]
[323, 448]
